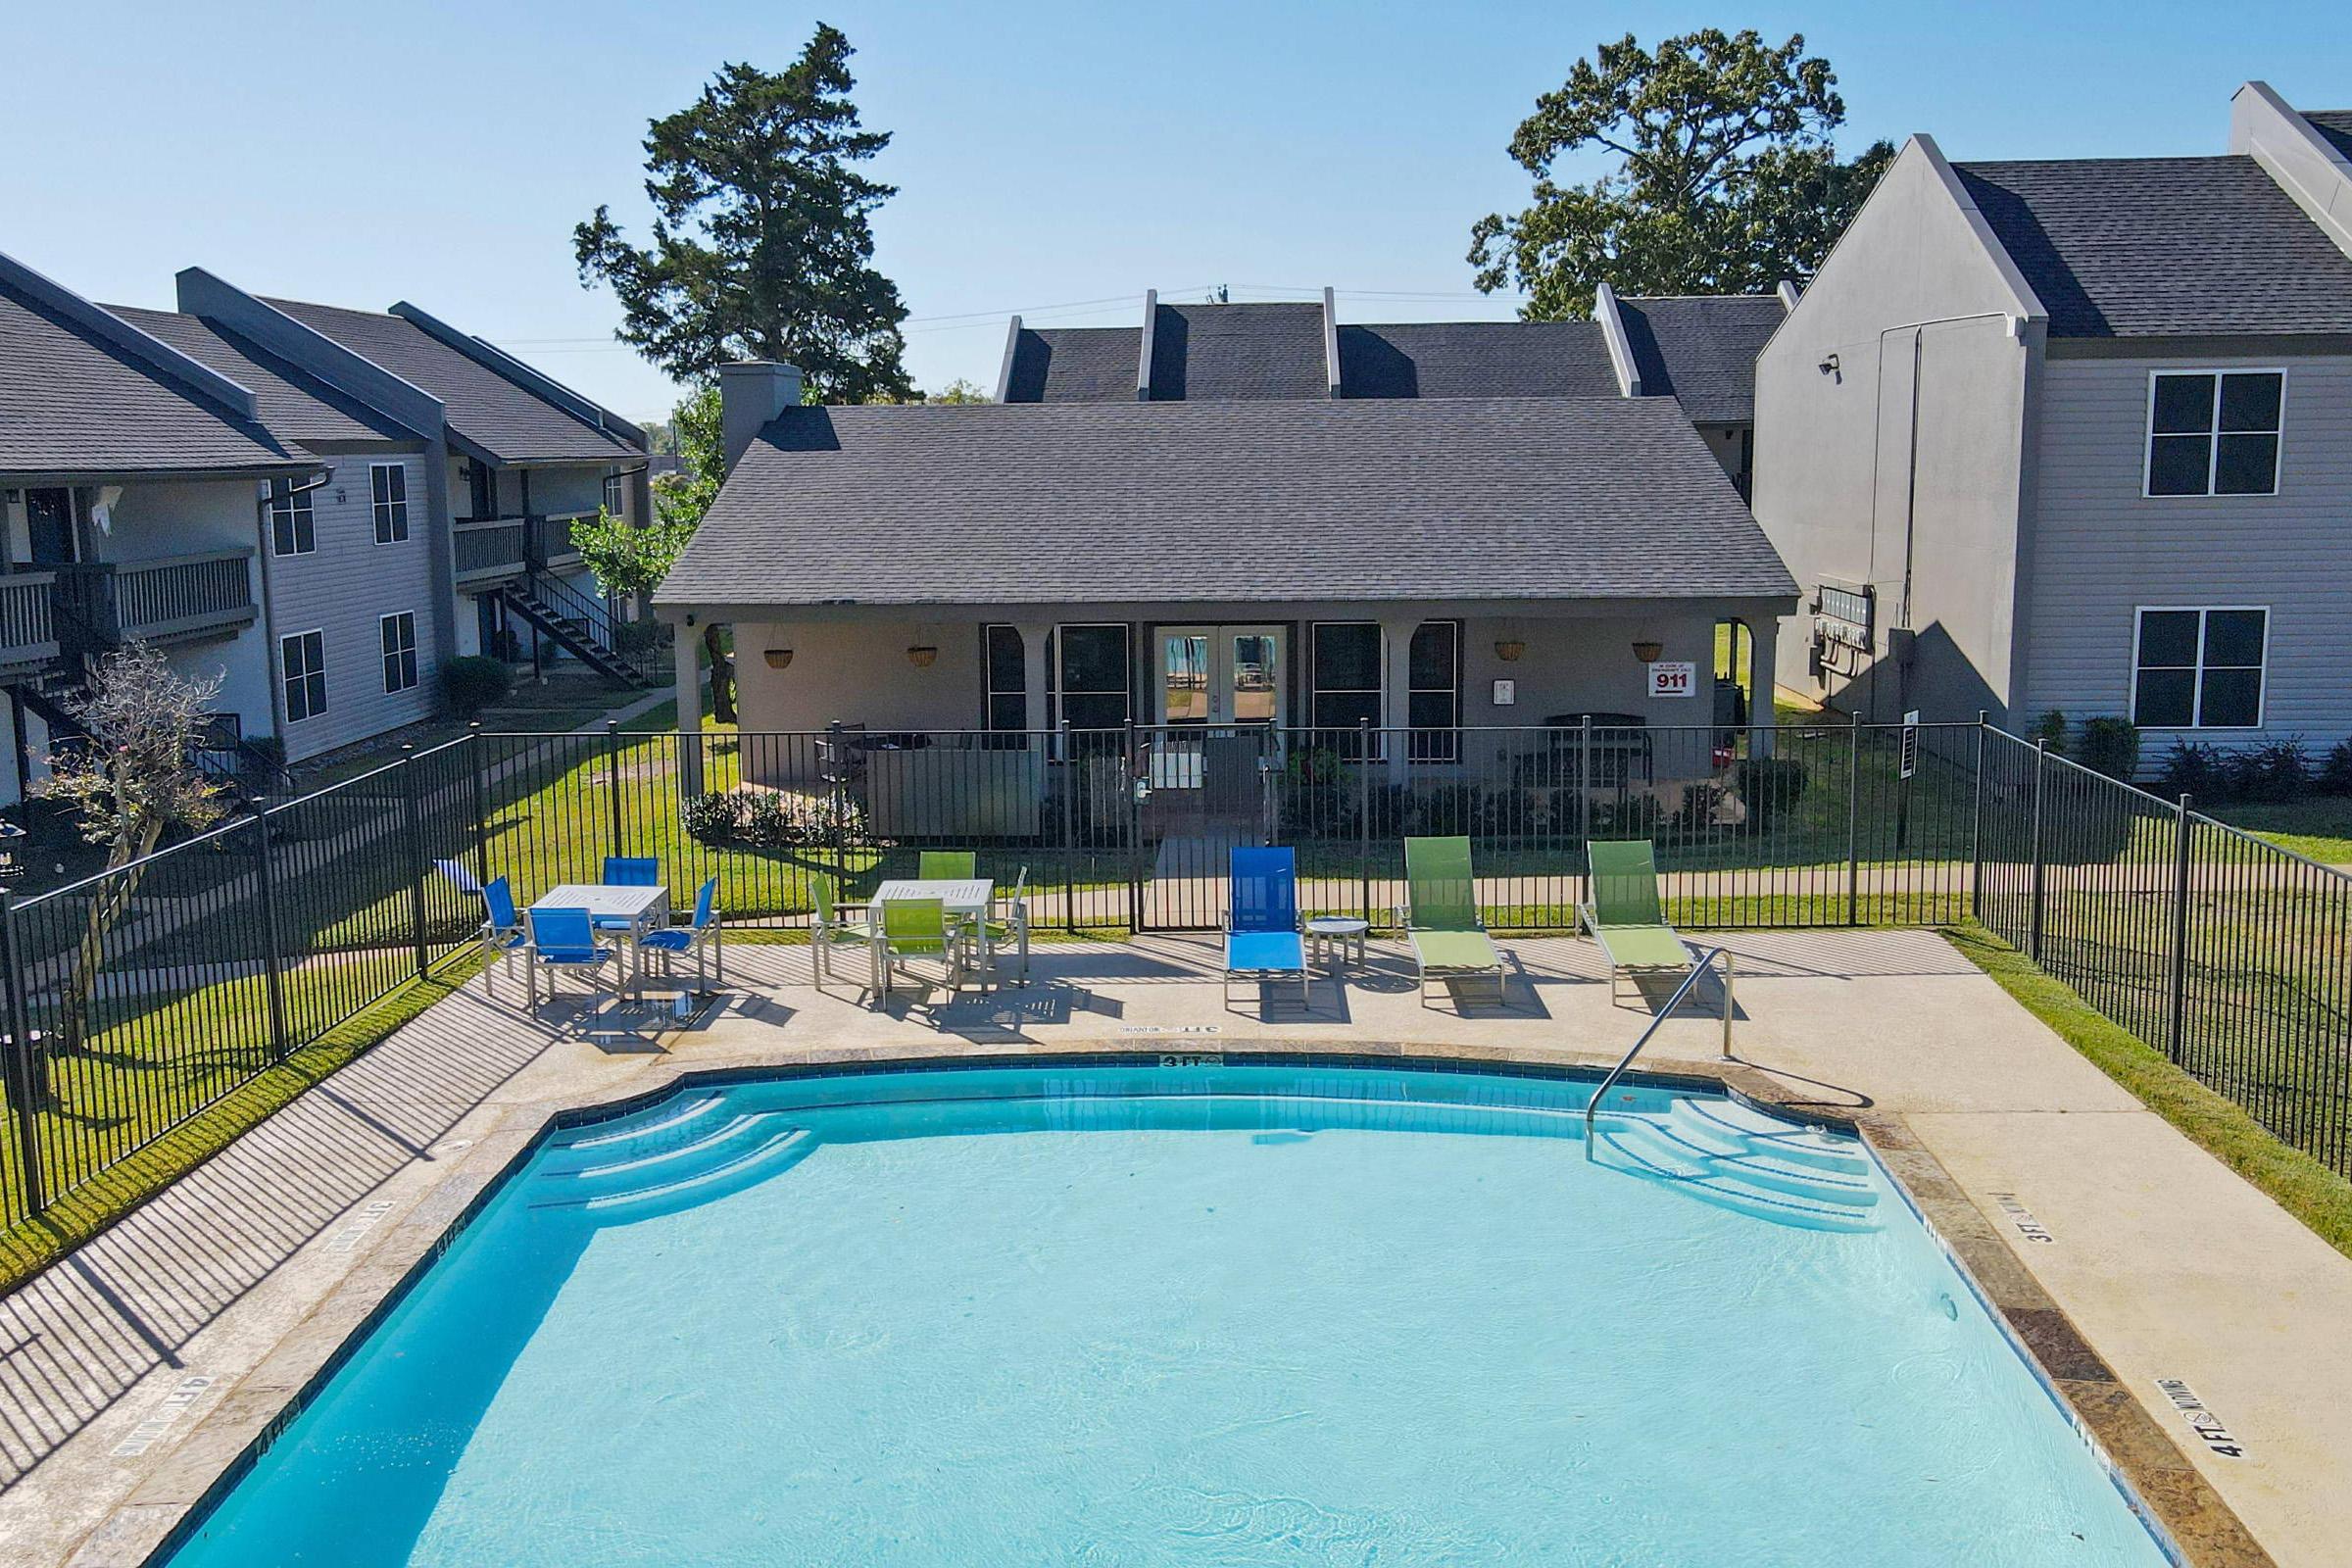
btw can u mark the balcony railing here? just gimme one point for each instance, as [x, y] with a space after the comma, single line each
[555, 548]
[28, 620]
[491, 548]
[180, 595]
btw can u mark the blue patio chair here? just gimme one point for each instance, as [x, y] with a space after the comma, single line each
[1263, 935]
[699, 938]
[503, 938]
[564, 939]
[628, 872]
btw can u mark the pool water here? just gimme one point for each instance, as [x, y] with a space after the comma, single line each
[1195, 1315]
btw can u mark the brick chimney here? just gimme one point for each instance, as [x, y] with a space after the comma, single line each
[750, 395]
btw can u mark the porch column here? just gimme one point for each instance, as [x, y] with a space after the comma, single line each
[1032, 673]
[1396, 689]
[684, 650]
[1761, 646]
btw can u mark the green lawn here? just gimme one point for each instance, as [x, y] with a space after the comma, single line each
[2319, 828]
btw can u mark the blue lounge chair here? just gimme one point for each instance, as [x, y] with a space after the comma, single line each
[564, 939]
[697, 938]
[1262, 936]
[502, 937]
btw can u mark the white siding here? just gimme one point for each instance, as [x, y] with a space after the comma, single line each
[2101, 549]
[344, 588]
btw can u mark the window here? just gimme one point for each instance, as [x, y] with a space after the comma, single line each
[1090, 682]
[399, 633]
[302, 666]
[2200, 668]
[616, 496]
[2214, 433]
[1345, 668]
[481, 491]
[1433, 691]
[1005, 664]
[292, 531]
[390, 483]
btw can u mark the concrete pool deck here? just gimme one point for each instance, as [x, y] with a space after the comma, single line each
[134, 1372]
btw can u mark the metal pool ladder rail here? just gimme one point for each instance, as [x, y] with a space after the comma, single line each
[1705, 962]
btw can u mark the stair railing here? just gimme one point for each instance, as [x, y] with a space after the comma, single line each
[604, 622]
[1705, 963]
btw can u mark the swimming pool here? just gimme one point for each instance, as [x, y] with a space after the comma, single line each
[1183, 1314]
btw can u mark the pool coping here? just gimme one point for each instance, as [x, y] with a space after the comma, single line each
[2193, 1523]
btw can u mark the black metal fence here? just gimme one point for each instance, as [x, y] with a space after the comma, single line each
[142, 996]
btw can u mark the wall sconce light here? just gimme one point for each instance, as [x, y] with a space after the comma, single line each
[1828, 365]
[777, 658]
[921, 657]
[1648, 653]
[1508, 650]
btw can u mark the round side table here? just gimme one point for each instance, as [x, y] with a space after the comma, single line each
[1344, 929]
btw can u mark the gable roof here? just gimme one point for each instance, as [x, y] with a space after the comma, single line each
[1074, 365]
[2334, 125]
[2125, 247]
[74, 402]
[1701, 348]
[297, 406]
[1236, 501]
[1205, 352]
[491, 415]
[1476, 360]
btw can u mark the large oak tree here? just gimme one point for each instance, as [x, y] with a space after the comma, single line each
[1726, 182]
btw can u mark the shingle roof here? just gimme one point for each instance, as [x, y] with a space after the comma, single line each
[1224, 501]
[2335, 124]
[1204, 352]
[498, 415]
[71, 403]
[1074, 365]
[2122, 247]
[1476, 360]
[1701, 350]
[295, 405]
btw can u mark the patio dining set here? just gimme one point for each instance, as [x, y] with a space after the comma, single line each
[617, 925]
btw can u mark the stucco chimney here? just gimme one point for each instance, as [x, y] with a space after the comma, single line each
[750, 393]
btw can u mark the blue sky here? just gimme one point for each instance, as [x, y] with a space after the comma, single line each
[1046, 154]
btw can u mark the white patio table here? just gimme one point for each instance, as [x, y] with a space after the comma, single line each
[962, 898]
[645, 909]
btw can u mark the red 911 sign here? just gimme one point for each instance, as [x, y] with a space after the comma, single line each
[1673, 679]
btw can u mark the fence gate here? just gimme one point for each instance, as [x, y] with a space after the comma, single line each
[1208, 789]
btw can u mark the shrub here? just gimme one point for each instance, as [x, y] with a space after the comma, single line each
[766, 823]
[712, 818]
[1769, 786]
[2051, 729]
[2274, 771]
[2111, 746]
[2335, 773]
[474, 683]
[2191, 767]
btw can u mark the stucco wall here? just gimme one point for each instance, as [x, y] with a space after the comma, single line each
[1839, 481]
[2101, 549]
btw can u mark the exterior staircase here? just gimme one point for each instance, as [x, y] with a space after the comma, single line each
[573, 621]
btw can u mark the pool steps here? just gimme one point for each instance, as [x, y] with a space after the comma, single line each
[1720, 1153]
[687, 1159]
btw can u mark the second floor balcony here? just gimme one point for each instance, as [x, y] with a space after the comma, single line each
[65, 611]
[491, 549]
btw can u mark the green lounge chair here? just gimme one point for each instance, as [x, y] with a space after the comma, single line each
[1624, 916]
[1441, 916]
[948, 866]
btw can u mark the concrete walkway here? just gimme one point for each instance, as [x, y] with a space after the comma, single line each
[126, 1371]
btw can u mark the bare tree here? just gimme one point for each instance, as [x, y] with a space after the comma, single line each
[130, 781]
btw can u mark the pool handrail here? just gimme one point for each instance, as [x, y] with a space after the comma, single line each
[1706, 961]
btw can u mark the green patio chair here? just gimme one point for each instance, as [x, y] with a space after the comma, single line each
[948, 866]
[1449, 941]
[1624, 915]
[835, 926]
[917, 928]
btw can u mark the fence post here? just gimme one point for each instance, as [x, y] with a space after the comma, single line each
[1363, 810]
[418, 864]
[1584, 798]
[837, 785]
[1073, 779]
[23, 1066]
[2042, 772]
[2176, 1029]
[1853, 820]
[273, 961]
[1976, 827]
[481, 807]
[1139, 773]
[612, 780]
